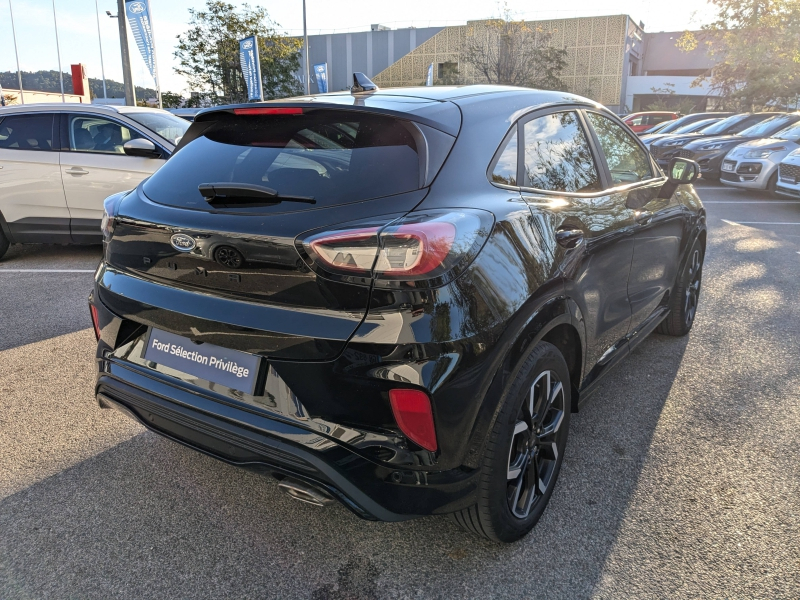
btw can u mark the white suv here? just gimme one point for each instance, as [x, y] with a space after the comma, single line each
[58, 162]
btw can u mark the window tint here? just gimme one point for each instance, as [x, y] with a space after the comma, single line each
[505, 171]
[626, 160]
[27, 132]
[737, 122]
[96, 134]
[333, 156]
[747, 123]
[557, 155]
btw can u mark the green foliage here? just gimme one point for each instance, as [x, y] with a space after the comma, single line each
[515, 53]
[449, 74]
[171, 100]
[208, 53]
[756, 44]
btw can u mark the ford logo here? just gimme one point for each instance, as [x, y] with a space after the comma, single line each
[137, 7]
[182, 242]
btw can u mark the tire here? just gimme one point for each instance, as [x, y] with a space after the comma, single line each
[772, 184]
[524, 451]
[4, 244]
[229, 256]
[683, 303]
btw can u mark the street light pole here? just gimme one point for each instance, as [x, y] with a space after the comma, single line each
[127, 78]
[305, 41]
[14, 35]
[58, 53]
[100, 41]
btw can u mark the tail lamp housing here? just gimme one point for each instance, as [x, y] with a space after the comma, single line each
[421, 249]
[95, 321]
[414, 415]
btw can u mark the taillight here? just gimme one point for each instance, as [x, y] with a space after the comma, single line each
[413, 413]
[426, 246]
[268, 111]
[95, 321]
[109, 221]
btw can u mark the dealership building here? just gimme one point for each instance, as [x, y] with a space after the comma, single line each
[610, 59]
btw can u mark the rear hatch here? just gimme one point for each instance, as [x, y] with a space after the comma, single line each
[210, 247]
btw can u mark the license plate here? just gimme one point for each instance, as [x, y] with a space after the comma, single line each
[728, 167]
[231, 368]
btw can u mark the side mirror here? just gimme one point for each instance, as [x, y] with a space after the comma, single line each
[142, 148]
[681, 171]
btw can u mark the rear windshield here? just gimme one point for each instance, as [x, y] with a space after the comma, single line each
[332, 156]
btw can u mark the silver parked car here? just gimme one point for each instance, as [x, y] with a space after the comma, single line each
[754, 164]
[789, 175]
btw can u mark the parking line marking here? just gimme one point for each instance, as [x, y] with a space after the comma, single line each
[756, 222]
[47, 270]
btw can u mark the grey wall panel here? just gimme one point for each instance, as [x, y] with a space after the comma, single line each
[402, 43]
[340, 79]
[380, 51]
[360, 62]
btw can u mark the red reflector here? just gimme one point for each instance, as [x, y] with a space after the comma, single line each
[95, 321]
[268, 111]
[412, 411]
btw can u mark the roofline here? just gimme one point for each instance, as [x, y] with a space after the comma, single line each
[54, 106]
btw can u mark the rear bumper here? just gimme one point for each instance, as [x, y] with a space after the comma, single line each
[242, 438]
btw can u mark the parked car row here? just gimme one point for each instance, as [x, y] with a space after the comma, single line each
[741, 150]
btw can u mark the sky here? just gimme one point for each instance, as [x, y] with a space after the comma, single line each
[78, 28]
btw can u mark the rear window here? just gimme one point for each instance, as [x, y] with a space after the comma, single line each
[331, 156]
[27, 132]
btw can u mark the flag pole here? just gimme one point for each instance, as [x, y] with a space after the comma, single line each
[305, 41]
[14, 35]
[100, 41]
[58, 53]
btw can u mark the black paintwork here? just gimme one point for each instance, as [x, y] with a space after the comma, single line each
[334, 347]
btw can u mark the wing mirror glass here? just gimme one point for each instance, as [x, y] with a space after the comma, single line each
[683, 170]
[141, 147]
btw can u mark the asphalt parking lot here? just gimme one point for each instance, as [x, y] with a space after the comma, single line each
[681, 477]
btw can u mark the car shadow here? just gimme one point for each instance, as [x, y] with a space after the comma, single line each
[151, 518]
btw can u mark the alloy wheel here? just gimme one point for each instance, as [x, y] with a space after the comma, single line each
[693, 289]
[229, 257]
[534, 451]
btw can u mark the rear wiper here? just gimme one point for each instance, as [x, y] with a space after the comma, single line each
[246, 194]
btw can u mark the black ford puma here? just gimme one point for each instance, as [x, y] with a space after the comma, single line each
[393, 298]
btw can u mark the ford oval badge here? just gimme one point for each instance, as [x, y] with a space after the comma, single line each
[182, 242]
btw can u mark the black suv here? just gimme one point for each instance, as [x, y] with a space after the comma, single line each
[393, 299]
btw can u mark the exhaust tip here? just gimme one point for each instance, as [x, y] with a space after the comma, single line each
[305, 493]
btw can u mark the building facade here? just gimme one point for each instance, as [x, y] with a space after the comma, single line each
[610, 59]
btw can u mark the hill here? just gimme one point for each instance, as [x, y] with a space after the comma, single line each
[48, 81]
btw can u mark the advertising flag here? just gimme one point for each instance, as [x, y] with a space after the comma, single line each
[251, 67]
[138, 13]
[429, 78]
[321, 73]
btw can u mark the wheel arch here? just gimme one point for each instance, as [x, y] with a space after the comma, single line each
[556, 322]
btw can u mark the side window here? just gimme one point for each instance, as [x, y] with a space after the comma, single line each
[636, 121]
[627, 161]
[557, 155]
[96, 134]
[27, 132]
[505, 171]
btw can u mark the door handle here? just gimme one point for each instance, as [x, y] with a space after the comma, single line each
[77, 171]
[643, 217]
[569, 238]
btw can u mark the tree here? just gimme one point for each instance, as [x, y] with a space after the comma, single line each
[515, 53]
[756, 46]
[208, 53]
[171, 100]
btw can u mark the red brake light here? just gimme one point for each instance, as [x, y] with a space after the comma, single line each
[267, 111]
[412, 411]
[95, 321]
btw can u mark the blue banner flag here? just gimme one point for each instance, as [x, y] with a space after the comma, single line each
[138, 12]
[429, 78]
[251, 67]
[321, 73]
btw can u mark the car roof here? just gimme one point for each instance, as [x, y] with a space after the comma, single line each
[75, 107]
